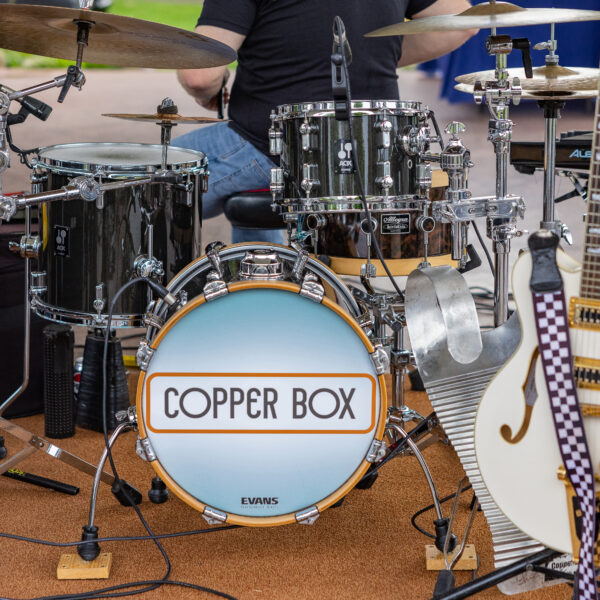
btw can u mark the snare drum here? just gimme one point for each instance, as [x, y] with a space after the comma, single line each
[237, 412]
[90, 249]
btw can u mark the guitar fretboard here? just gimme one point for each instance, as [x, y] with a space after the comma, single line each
[590, 279]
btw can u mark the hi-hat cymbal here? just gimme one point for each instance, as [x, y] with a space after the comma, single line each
[113, 39]
[550, 78]
[468, 88]
[173, 119]
[486, 16]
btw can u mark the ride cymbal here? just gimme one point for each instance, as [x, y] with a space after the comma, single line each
[164, 118]
[113, 39]
[550, 78]
[486, 16]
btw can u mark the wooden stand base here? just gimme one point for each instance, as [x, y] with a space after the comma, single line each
[72, 566]
[435, 559]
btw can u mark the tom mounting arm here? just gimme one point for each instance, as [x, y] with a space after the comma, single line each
[85, 187]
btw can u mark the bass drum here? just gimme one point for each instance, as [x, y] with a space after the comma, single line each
[263, 401]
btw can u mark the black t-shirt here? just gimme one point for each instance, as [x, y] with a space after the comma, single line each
[285, 57]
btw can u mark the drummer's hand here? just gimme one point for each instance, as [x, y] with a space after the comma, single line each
[213, 103]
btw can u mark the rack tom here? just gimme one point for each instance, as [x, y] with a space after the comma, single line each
[316, 170]
[90, 249]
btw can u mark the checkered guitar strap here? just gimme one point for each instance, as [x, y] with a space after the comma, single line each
[550, 309]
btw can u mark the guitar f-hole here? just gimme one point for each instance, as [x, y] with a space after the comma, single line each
[530, 394]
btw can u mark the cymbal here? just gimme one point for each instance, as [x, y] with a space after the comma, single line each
[487, 15]
[539, 94]
[113, 39]
[550, 78]
[174, 119]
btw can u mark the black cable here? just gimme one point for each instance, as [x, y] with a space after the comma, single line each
[22, 153]
[413, 519]
[438, 131]
[487, 253]
[129, 538]
[154, 583]
[361, 187]
[150, 585]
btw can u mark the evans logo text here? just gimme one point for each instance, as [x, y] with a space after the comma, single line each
[259, 500]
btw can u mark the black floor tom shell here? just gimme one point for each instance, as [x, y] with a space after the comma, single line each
[90, 249]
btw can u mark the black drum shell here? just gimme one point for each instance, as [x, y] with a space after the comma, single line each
[344, 234]
[102, 244]
[325, 145]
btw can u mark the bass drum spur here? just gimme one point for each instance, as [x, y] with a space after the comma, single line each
[261, 401]
[90, 249]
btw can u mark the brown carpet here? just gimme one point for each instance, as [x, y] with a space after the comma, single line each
[364, 549]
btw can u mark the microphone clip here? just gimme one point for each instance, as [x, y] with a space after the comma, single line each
[340, 85]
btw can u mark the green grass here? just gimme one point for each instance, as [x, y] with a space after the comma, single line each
[176, 14]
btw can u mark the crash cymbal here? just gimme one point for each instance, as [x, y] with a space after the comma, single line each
[113, 39]
[487, 15]
[540, 94]
[550, 78]
[165, 118]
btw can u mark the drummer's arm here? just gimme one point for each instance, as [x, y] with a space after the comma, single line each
[427, 46]
[204, 84]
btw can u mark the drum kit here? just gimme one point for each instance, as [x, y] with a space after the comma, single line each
[228, 378]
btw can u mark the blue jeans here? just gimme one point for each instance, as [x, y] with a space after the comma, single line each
[235, 166]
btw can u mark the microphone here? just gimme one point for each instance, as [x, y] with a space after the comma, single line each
[340, 41]
[32, 105]
[340, 85]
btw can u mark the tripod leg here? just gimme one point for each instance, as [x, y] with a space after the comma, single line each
[426, 471]
[16, 459]
[38, 443]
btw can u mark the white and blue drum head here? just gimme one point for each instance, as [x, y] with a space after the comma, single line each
[261, 404]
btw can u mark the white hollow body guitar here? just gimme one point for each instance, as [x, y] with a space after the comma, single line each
[515, 439]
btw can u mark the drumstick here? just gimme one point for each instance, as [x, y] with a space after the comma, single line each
[44, 482]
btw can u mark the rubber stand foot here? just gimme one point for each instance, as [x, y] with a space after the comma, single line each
[158, 493]
[368, 479]
[72, 566]
[338, 503]
[91, 549]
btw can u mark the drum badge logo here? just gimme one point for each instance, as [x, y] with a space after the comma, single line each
[63, 241]
[343, 156]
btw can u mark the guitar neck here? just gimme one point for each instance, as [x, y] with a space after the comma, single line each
[590, 279]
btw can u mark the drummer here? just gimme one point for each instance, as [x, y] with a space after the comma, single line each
[284, 49]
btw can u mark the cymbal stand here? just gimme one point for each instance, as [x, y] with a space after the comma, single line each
[498, 95]
[551, 110]
[166, 107]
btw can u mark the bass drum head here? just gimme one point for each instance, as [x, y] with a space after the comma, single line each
[261, 404]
